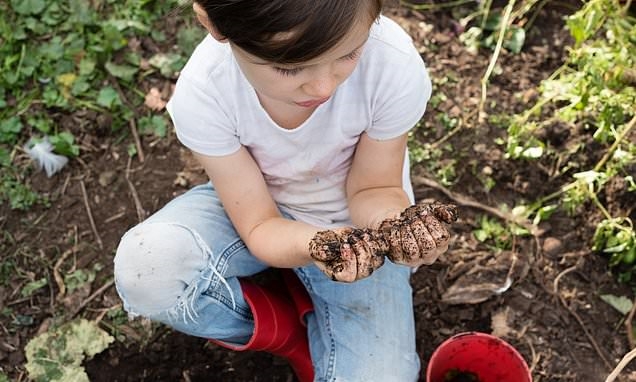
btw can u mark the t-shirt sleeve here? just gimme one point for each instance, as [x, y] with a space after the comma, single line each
[201, 121]
[402, 99]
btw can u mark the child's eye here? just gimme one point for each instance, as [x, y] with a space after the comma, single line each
[288, 72]
[353, 55]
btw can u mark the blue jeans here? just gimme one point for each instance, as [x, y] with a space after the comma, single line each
[181, 267]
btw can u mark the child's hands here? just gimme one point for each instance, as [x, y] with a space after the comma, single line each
[348, 254]
[418, 236]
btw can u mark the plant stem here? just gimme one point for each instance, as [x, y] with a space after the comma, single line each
[621, 365]
[616, 143]
[485, 9]
[600, 206]
[495, 56]
[525, 8]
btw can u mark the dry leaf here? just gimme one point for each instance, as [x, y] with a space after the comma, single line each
[499, 324]
[484, 281]
[154, 100]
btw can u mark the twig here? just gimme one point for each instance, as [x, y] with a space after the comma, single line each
[629, 328]
[58, 277]
[141, 213]
[448, 136]
[115, 217]
[90, 298]
[468, 202]
[104, 311]
[555, 283]
[535, 357]
[65, 185]
[577, 317]
[495, 56]
[135, 134]
[90, 216]
[19, 301]
[131, 123]
[621, 365]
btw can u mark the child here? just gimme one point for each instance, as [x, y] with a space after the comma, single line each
[299, 112]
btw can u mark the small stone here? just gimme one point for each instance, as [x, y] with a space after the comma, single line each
[552, 246]
[106, 178]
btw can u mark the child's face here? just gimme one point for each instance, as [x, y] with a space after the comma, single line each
[306, 85]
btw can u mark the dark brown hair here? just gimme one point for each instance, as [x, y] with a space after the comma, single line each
[288, 31]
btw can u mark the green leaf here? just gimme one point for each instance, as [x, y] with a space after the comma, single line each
[5, 157]
[9, 130]
[40, 123]
[108, 97]
[493, 21]
[57, 355]
[80, 87]
[122, 25]
[481, 235]
[64, 143]
[188, 38]
[620, 303]
[28, 7]
[86, 67]
[53, 50]
[82, 13]
[156, 125]
[23, 320]
[32, 286]
[132, 150]
[78, 278]
[515, 39]
[167, 63]
[125, 72]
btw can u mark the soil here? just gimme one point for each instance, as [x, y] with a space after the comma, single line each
[542, 296]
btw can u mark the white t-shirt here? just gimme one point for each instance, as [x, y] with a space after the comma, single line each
[215, 111]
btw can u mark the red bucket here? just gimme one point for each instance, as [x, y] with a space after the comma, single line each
[477, 357]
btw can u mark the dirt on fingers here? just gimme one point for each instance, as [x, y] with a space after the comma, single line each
[418, 236]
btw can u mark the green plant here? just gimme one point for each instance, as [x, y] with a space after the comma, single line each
[70, 55]
[616, 237]
[486, 34]
[595, 90]
[19, 195]
[497, 235]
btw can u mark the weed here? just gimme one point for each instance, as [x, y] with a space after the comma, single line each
[590, 90]
[497, 235]
[67, 56]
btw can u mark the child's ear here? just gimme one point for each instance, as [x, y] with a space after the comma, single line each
[202, 16]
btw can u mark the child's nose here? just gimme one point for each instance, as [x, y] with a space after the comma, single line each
[321, 86]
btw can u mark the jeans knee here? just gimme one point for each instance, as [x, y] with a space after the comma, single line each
[384, 367]
[154, 264]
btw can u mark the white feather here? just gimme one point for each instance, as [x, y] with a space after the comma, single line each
[42, 153]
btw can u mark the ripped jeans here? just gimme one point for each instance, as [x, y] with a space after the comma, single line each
[181, 267]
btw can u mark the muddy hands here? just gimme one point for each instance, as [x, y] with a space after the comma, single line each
[348, 254]
[418, 236]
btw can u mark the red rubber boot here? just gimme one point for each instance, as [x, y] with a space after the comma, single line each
[277, 329]
[298, 293]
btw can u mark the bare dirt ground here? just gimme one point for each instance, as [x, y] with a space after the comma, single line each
[551, 312]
